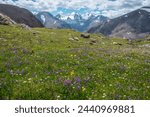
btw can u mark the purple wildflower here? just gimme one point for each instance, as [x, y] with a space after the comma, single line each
[49, 73]
[23, 72]
[59, 71]
[67, 82]
[78, 79]
[79, 87]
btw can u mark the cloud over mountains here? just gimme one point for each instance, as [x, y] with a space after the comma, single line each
[110, 8]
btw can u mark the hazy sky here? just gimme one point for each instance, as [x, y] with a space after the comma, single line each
[110, 8]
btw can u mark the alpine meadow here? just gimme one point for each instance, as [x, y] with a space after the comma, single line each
[38, 62]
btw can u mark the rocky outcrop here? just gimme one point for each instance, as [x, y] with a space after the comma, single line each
[85, 35]
[20, 15]
[5, 20]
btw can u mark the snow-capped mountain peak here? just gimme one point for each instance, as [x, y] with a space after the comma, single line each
[77, 17]
[58, 16]
[43, 18]
[80, 22]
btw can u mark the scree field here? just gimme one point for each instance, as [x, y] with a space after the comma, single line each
[58, 64]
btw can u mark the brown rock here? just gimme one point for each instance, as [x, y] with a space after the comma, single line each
[85, 35]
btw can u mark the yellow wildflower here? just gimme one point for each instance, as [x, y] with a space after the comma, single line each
[83, 89]
[72, 73]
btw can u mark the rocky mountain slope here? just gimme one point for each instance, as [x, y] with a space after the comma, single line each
[50, 21]
[133, 25]
[5, 20]
[77, 22]
[20, 15]
[81, 24]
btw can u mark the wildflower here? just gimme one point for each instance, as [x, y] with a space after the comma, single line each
[24, 82]
[59, 71]
[29, 79]
[49, 73]
[78, 79]
[114, 43]
[83, 89]
[104, 95]
[67, 82]
[11, 72]
[17, 72]
[73, 55]
[72, 73]
[110, 85]
[23, 72]
[79, 87]
[58, 96]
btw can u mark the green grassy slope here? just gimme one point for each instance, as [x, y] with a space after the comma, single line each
[46, 64]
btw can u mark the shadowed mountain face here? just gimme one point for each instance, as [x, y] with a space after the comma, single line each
[50, 21]
[133, 25]
[20, 15]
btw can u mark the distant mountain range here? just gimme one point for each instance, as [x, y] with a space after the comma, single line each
[81, 24]
[133, 25]
[20, 15]
[77, 22]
